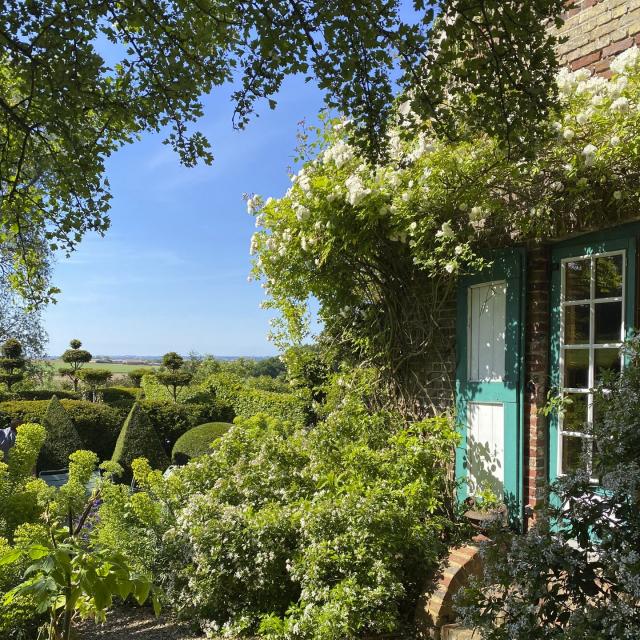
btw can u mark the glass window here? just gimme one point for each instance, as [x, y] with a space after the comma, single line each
[592, 331]
[577, 280]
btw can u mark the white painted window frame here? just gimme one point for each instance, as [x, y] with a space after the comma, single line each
[591, 345]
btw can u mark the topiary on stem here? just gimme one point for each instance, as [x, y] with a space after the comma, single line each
[95, 378]
[12, 362]
[76, 358]
[173, 375]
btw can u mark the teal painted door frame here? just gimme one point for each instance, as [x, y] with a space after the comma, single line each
[508, 266]
[619, 238]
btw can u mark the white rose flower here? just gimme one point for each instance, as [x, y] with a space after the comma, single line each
[620, 104]
[356, 191]
[597, 100]
[450, 267]
[458, 250]
[476, 213]
[614, 141]
[405, 108]
[625, 60]
[445, 231]
[589, 153]
[568, 134]
[617, 195]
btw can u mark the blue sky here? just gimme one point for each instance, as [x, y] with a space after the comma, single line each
[171, 272]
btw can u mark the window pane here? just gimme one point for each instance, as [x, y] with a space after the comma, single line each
[577, 280]
[576, 324]
[576, 368]
[608, 322]
[574, 417]
[572, 453]
[606, 360]
[609, 277]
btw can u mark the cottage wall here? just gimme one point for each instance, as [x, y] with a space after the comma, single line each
[596, 31]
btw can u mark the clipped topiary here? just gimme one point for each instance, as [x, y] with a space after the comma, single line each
[138, 439]
[62, 437]
[197, 441]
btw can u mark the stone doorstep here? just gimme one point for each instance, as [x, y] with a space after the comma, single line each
[458, 632]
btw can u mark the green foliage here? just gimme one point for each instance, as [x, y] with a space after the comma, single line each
[380, 245]
[138, 439]
[57, 192]
[98, 425]
[44, 394]
[173, 374]
[136, 375]
[307, 371]
[197, 441]
[12, 363]
[170, 420]
[75, 357]
[319, 534]
[576, 573]
[19, 491]
[95, 378]
[121, 398]
[253, 367]
[62, 437]
[67, 576]
[247, 401]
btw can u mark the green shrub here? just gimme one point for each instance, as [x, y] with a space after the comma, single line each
[153, 390]
[247, 402]
[62, 437]
[138, 439]
[98, 425]
[197, 441]
[120, 397]
[45, 394]
[295, 533]
[170, 420]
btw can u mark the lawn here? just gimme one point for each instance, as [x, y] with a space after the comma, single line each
[113, 367]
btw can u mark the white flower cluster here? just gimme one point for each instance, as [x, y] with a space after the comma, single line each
[340, 153]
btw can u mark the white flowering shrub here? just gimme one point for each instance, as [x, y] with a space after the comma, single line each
[363, 239]
[289, 533]
[576, 574]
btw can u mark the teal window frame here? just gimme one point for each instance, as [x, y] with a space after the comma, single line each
[621, 238]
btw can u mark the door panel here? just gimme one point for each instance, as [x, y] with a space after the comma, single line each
[488, 380]
[485, 447]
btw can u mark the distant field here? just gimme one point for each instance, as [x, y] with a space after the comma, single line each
[114, 368]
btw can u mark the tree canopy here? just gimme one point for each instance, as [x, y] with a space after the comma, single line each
[80, 79]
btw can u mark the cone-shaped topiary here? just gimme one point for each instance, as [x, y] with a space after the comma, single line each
[62, 437]
[197, 441]
[138, 439]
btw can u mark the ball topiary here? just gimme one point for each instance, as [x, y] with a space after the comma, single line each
[62, 437]
[197, 441]
[138, 439]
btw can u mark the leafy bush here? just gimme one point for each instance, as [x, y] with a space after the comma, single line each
[247, 402]
[98, 425]
[18, 488]
[197, 441]
[283, 531]
[62, 437]
[120, 397]
[138, 439]
[576, 573]
[170, 420]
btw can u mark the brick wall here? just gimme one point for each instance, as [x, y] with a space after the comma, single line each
[596, 31]
[536, 373]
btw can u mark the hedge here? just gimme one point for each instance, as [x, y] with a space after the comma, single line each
[247, 402]
[38, 394]
[138, 439]
[197, 441]
[170, 419]
[120, 397]
[98, 425]
[62, 437]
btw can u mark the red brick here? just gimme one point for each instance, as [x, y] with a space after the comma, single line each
[617, 47]
[585, 61]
